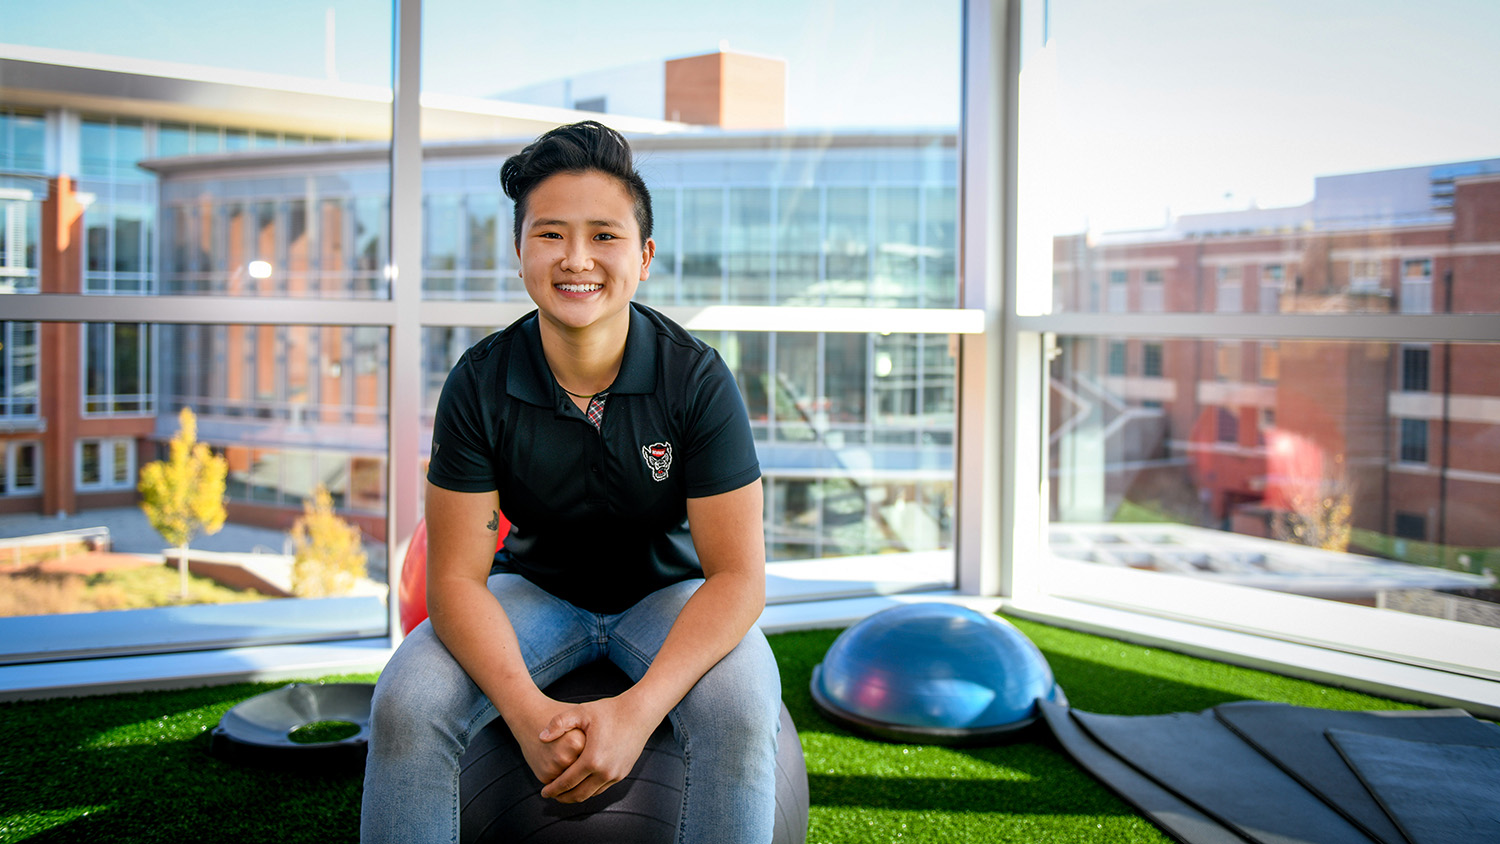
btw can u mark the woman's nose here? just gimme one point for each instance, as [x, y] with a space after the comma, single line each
[576, 257]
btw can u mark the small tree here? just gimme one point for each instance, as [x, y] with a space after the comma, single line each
[183, 495]
[329, 558]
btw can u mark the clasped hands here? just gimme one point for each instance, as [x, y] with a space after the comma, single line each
[577, 750]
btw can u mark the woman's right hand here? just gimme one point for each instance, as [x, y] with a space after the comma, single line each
[547, 759]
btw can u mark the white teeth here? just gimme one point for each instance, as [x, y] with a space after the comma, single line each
[580, 288]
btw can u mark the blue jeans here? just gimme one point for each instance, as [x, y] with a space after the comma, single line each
[426, 710]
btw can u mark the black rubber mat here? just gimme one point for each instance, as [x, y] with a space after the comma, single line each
[1202, 761]
[1293, 737]
[1436, 793]
[1172, 814]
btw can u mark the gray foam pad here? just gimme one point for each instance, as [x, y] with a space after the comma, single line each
[1204, 762]
[1292, 736]
[1436, 793]
[1172, 814]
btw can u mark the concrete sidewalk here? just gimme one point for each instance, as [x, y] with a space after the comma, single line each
[131, 533]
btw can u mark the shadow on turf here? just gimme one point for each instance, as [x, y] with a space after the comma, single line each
[157, 789]
[175, 791]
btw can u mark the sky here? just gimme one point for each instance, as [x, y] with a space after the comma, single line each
[847, 65]
[1161, 106]
[1211, 105]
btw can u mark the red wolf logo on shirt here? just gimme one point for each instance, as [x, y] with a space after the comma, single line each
[659, 458]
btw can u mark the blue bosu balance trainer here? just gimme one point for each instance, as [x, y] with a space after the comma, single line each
[933, 673]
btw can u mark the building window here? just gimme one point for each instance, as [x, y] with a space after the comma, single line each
[20, 468]
[1416, 286]
[1227, 361]
[117, 248]
[1364, 276]
[1272, 282]
[1411, 526]
[1116, 358]
[1118, 291]
[1153, 293]
[117, 368]
[1413, 446]
[1151, 360]
[1414, 369]
[110, 147]
[20, 357]
[1229, 426]
[1231, 290]
[23, 141]
[105, 464]
[1270, 362]
[20, 247]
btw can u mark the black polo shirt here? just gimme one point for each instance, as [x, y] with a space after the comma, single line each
[598, 517]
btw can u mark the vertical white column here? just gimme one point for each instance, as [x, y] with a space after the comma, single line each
[986, 200]
[405, 273]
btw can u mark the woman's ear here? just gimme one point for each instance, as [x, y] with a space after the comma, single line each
[647, 253]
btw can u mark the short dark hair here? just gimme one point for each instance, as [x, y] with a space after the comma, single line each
[575, 148]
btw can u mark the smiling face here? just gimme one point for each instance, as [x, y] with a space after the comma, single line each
[581, 252]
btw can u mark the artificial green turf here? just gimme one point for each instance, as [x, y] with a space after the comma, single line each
[136, 767]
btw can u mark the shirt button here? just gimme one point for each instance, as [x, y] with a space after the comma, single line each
[595, 469]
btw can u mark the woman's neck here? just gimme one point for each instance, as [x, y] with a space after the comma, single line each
[585, 360]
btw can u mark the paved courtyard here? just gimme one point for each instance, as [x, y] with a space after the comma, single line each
[131, 533]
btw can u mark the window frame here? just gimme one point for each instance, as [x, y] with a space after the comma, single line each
[11, 448]
[1005, 337]
[108, 449]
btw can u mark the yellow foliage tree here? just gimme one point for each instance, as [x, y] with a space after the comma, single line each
[329, 558]
[183, 495]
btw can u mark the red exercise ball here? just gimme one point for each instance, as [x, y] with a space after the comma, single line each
[411, 595]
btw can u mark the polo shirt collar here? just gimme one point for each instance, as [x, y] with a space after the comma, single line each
[531, 381]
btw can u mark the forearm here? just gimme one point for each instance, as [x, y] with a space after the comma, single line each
[475, 629]
[712, 622]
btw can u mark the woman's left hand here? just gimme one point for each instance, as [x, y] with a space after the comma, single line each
[614, 735]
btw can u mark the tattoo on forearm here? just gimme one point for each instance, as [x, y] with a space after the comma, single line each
[494, 520]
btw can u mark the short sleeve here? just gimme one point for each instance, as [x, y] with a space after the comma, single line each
[462, 447]
[720, 448]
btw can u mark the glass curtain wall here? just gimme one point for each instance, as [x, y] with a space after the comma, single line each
[238, 262]
[1288, 388]
[121, 209]
[787, 168]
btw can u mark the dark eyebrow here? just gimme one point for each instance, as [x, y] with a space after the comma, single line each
[603, 224]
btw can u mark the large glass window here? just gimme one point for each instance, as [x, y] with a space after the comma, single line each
[1292, 435]
[288, 408]
[1316, 501]
[103, 190]
[843, 191]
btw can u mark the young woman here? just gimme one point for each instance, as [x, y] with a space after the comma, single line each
[619, 448]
